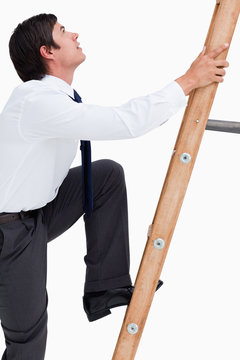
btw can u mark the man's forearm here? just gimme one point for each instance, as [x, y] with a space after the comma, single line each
[186, 83]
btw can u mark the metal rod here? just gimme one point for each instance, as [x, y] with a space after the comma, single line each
[221, 125]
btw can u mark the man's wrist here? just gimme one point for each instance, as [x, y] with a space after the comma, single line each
[186, 83]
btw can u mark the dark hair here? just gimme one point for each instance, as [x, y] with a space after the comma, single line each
[25, 43]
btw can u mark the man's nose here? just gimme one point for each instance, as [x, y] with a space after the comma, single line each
[75, 36]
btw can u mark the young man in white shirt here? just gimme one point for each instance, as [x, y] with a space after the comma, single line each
[41, 197]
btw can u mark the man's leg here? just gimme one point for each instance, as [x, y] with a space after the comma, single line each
[23, 295]
[107, 257]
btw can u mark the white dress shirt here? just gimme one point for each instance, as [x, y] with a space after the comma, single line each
[40, 129]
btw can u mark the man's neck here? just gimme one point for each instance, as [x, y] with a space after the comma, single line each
[68, 77]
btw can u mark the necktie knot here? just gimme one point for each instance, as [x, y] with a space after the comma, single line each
[77, 97]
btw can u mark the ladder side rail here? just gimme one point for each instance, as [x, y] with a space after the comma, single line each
[188, 141]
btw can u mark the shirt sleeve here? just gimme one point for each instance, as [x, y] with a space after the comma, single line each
[48, 114]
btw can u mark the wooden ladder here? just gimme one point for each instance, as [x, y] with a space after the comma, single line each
[160, 232]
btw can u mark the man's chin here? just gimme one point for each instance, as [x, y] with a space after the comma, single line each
[82, 59]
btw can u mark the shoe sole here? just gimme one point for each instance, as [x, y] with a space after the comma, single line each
[98, 315]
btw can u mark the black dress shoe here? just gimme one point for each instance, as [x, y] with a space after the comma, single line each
[97, 304]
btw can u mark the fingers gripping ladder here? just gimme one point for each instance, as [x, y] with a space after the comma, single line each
[194, 122]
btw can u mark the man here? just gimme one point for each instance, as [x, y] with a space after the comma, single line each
[41, 197]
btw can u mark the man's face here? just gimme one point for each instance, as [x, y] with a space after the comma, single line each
[69, 55]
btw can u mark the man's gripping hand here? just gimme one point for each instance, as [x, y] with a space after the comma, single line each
[204, 70]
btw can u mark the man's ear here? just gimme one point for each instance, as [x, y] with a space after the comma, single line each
[46, 52]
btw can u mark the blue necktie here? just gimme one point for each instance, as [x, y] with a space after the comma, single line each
[86, 170]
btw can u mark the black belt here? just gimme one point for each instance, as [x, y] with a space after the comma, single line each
[7, 217]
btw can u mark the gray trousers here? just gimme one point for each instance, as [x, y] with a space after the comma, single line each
[23, 254]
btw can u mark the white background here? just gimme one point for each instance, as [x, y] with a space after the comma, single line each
[132, 48]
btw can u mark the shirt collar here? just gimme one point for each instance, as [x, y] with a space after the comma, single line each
[58, 84]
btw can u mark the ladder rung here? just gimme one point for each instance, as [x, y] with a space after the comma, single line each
[221, 125]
